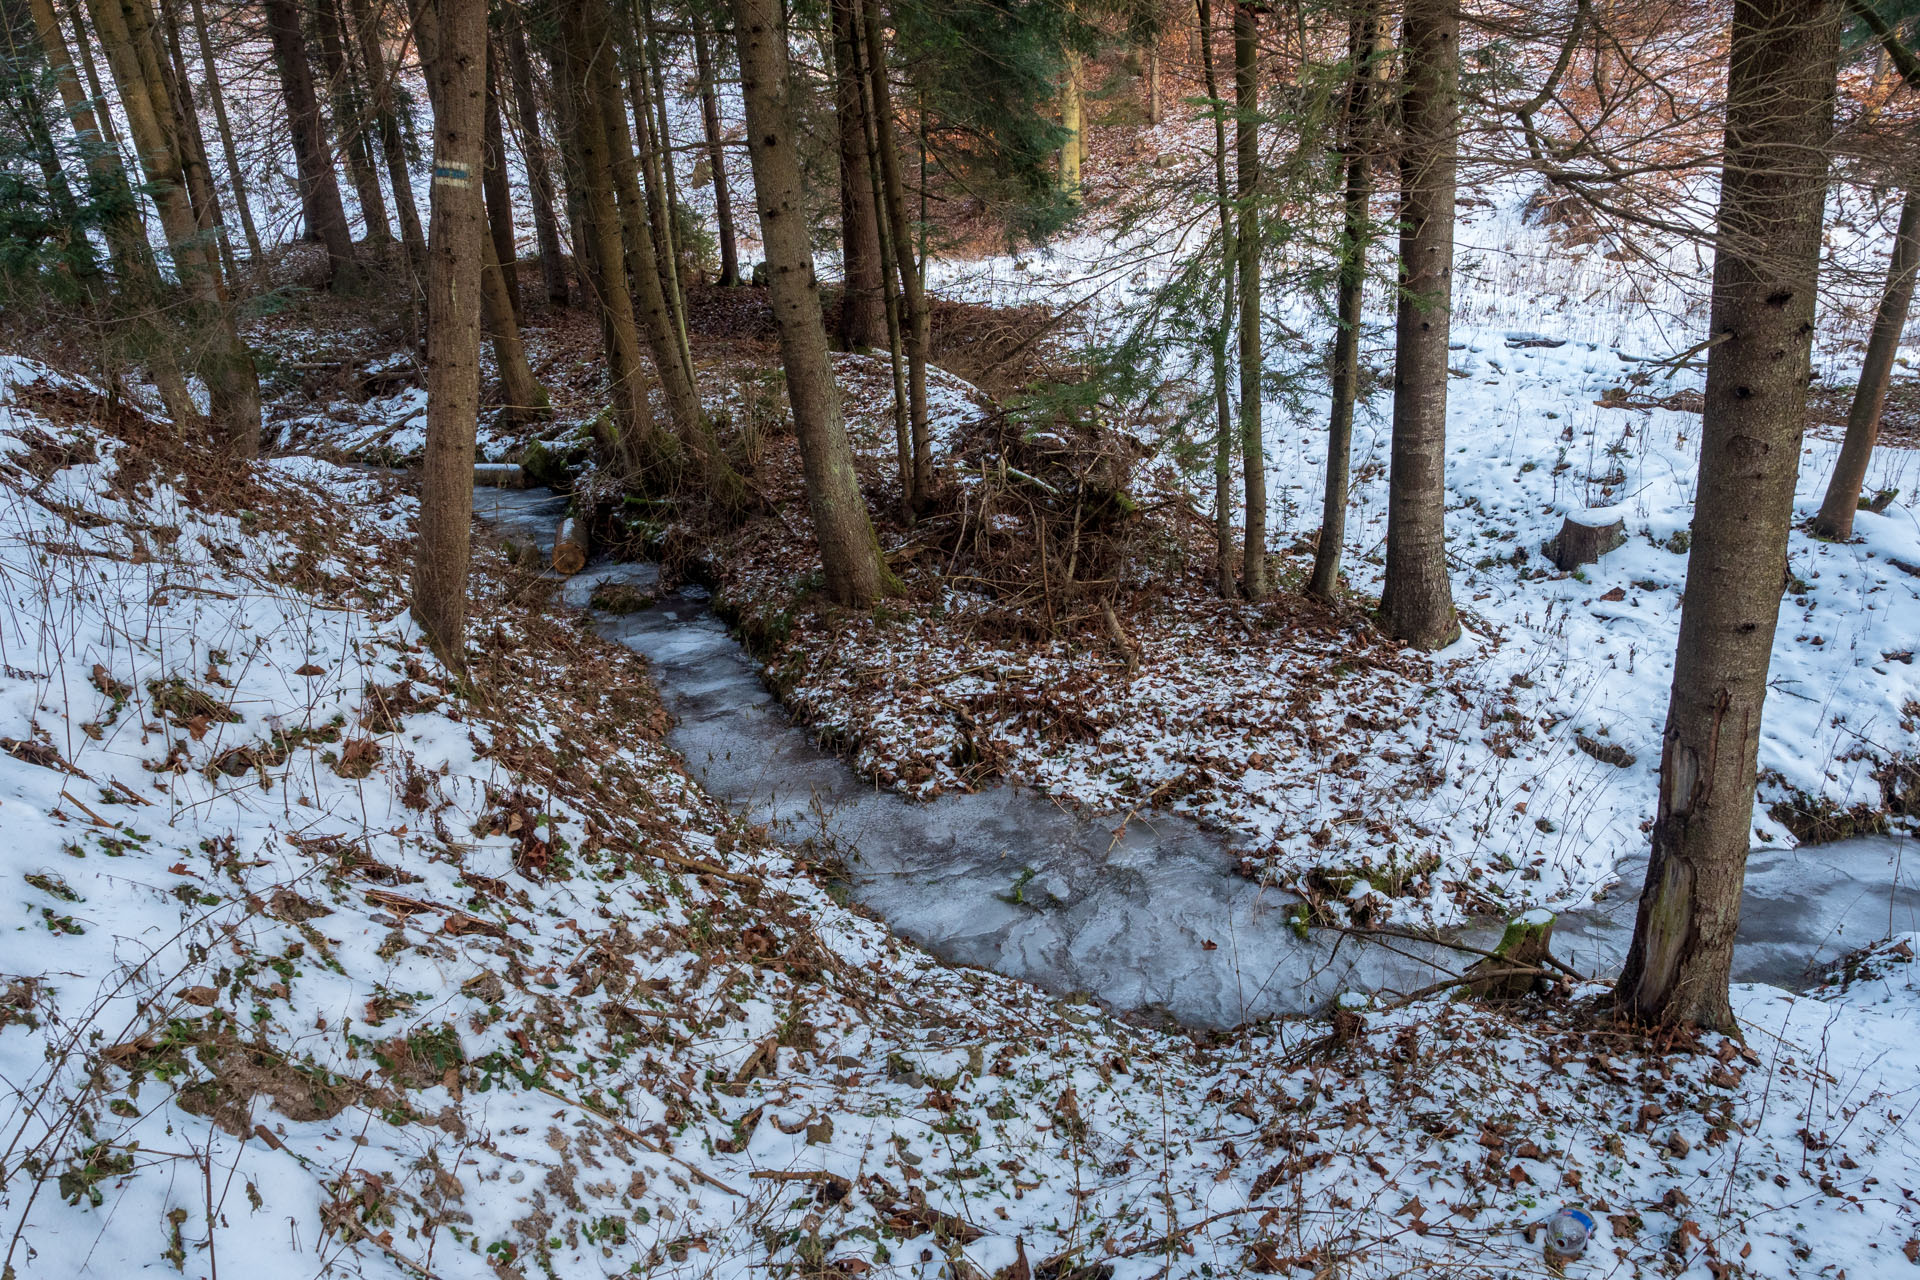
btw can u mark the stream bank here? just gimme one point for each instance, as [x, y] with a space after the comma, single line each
[1145, 913]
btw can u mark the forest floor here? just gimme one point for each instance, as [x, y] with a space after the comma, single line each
[326, 963]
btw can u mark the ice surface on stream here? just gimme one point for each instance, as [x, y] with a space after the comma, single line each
[1146, 913]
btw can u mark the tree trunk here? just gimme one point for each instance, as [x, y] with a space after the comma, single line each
[236, 178]
[862, 306]
[1156, 109]
[1782, 61]
[1364, 39]
[499, 194]
[349, 123]
[393, 144]
[584, 138]
[655, 167]
[1072, 125]
[193, 147]
[319, 191]
[912, 283]
[889, 293]
[849, 552]
[453, 47]
[522, 399]
[1416, 604]
[1835, 519]
[1253, 455]
[716, 157]
[126, 35]
[1223, 441]
[553, 267]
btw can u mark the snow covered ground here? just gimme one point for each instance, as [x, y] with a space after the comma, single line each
[323, 967]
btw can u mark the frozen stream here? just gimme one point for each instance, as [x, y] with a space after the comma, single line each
[1152, 917]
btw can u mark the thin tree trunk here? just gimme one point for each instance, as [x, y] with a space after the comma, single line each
[453, 45]
[193, 148]
[393, 144]
[653, 166]
[350, 124]
[662, 131]
[862, 307]
[912, 282]
[236, 178]
[319, 191]
[522, 398]
[1253, 457]
[849, 551]
[1364, 53]
[1223, 443]
[499, 195]
[553, 267]
[1780, 87]
[889, 293]
[716, 157]
[1835, 519]
[233, 386]
[1156, 109]
[1073, 126]
[584, 138]
[1416, 604]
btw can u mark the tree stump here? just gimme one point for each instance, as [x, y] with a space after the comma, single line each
[570, 546]
[1578, 543]
[1523, 946]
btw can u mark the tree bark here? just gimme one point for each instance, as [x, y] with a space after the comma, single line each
[349, 122]
[1782, 60]
[889, 294]
[1247, 236]
[1835, 519]
[193, 146]
[499, 193]
[1222, 334]
[862, 305]
[236, 177]
[1416, 604]
[126, 35]
[393, 143]
[1073, 125]
[584, 138]
[912, 284]
[553, 267]
[1364, 39]
[716, 157]
[319, 190]
[849, 552]
[453, 45]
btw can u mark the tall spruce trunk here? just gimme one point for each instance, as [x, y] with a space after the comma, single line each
[319, 189]
[849, 551]
[193, 147]
[919, 317]
[716, 156]
[1072, 126]
[546, 230]
[889, 294]
[1782, 60]
[584, 139]
[127, 38]
[498, 191]
[1835, 519]
[1221, 334]
[136, 276]
[1364, 37]
[1416, 603]
[862, 303]
[350, 122]
[453, 45]
[236, 177]
[1253, 454]
[393, 143]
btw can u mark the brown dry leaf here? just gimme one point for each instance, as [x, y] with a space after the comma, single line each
[202, 996]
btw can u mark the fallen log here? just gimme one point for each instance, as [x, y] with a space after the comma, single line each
[570, 546]
[500, 475]
[1517, 962]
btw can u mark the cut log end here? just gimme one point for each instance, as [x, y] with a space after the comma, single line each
[570, 546]
[1580, 543]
